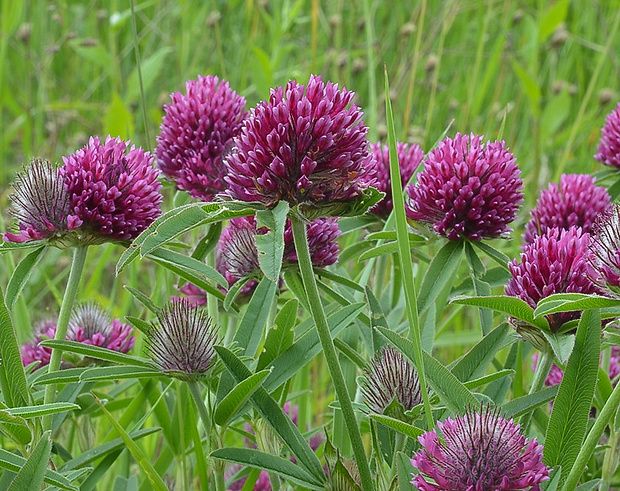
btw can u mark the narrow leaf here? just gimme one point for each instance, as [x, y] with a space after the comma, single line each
[440, 273]
[27, 412]
[526, 404]
[13, 384]
[513, 306]
[280, 337]
[237, 398]
[119, 373]
[14, 463]
[270, 246]
[569, 302]
[252, 325]
[96, 352]
[398, 425]
[21, 274]
[31, 475]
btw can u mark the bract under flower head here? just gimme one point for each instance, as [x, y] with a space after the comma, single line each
[306, 144]
[409, 158]
[605, 251]
[575, 202]
[467, 189]
[41, 204]
[608, 151]
[182, 342]
[479, 451]
[197, 130]
[114, 193]
[390, 377]
[555, 262]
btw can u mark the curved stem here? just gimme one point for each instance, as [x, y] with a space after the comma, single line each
[320, 320]
[540, 375]
[77, 267]
[605, 416]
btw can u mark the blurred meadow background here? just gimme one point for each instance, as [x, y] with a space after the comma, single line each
[542, 75]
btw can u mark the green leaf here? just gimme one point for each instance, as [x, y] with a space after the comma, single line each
[324, 273]
[143, 298]
[550, 20]
[28, 412]
[154, 478]
[525, 404]
[270, 246]
[190, 265]
[529, 86]
[31, 475]
[60, 376]
[271, 412]
[15, 427]
[281, 337]
[398, 425]
[237, 397]
[234, 291]
[96, 352]
[481, 288]
[368, 198]
[487, 379]
[450, 390]
[570, 302]
[251, 327]
[308, 346]
[119, 373]
[13, 383]
[497, 256]
[151, 67]
[380, 250]
[21, 274]
[15, 462]
[118, 119]
[440, 273]
[571, 409]
[270, 463]
[16, 246]
[475, 363]
[513, 306]
[562, 345]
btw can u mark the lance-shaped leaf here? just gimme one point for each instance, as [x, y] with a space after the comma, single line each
[21, 274]
[513, 306]
[270, 246]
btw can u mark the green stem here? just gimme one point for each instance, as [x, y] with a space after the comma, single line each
[610, 462]
[605, 416]
[212, 305]
[202, 410]
[77, 267]
[320, 320]
[540, 375]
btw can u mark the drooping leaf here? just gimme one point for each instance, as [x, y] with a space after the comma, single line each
[96, 352]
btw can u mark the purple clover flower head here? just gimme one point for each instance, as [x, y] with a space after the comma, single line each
[197, 130]
[114, 193]
[181, 344]
[608, 151]
[91, 325]
[390, 377]
[479, 451]
[575, 202]
[41, 204]
[31, 352]
[306, 144]
[467, 189]
[237, 255]
[322, 234]
[409, 158]
[605, 250]
[555, 262]
[262, 483]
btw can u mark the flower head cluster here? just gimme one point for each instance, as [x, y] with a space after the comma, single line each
[409, 158]
[307, 143]
[574, 203]
[89, 325]
[608, 151]
[197, 130]
[605, 250]
[479, 451]
[555, 262]
[182, 341]
[41, 203]
[467, 189]
[113, 192]
[388, 378]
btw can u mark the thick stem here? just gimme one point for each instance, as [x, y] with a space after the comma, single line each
[540, 375]
[77, 267]
[202, 410]
[320, 320]
[605, 416]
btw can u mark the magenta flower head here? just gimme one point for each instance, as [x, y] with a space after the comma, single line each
[113, 192]
[575, 202]
[390, 378]
[197, 130]
[181, 343]
[556, 262]
[479, 451]
[91, 325]
[467, 189]
[605, 251]
[305, 145]
[608, 151]
[409, 158]
[31, 352]
[41, 204]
